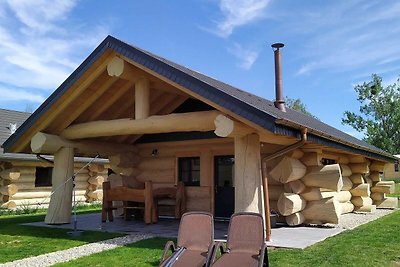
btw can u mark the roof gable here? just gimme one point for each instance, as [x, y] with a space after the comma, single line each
[252, 108]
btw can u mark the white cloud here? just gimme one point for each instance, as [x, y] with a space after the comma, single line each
[19, 95]
[39, 15]
[39, 48]
[246, 56]
[238, 13]
[348, 36]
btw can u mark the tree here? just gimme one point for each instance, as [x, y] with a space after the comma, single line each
[380, 114]
[296, 104]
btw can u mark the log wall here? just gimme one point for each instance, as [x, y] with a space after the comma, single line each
[158, 162]
[22, 192]
[302, 188]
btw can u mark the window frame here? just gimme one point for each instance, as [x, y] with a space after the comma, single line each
[191, 181]
[43, 182]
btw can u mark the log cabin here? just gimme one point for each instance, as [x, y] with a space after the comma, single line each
[159, 121]
[25, 180]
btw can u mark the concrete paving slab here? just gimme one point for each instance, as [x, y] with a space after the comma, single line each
[287, 237]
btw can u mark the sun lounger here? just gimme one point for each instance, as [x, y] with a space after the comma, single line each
[195, 242]
[245, 245]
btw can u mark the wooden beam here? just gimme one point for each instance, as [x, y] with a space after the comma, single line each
[47, 143]
[88, 102]
[120, 68]
[74, 92]
[111, 100]
[248, 189]
[59, 211]
[226, 127]
[142, 99]
[179, 122]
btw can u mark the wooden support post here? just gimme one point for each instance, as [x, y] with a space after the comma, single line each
[248, 189]
[60, 206]
[142, 99]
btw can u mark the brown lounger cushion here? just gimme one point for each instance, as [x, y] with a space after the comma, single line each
[196, 231]
[191, 258]
[237, 259]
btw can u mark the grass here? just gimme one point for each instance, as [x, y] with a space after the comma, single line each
[373, 244]
[21, 241]
[397, 189]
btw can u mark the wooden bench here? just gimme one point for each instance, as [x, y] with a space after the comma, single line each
[127, 196]
[170, 196]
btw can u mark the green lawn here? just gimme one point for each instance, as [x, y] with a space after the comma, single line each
[397, 190]
[373, 244]
[20, 241]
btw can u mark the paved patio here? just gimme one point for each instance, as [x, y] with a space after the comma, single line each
[287, 237]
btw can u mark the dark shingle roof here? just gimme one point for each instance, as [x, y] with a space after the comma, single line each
[251, 107]
[8, 117]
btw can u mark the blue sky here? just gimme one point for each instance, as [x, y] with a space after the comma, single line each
[329, 45]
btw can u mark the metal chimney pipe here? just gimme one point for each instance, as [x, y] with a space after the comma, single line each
[279, 102]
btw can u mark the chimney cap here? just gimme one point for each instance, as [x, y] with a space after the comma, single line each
[277, 45]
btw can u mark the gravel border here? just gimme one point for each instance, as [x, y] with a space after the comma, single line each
[76, 252]
[350, 221]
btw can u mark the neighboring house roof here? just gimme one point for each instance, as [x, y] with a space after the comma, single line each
[8, 118]
[251, 107]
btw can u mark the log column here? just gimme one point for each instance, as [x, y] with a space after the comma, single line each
[142, 99]
[248, 188]
[59, 211]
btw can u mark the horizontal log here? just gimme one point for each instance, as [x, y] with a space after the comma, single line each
[315, 193]
[125, 171]
[347, 183]
[98, 194]
[361, 201]
[275, 191]
[346, 207]
[227, 127]
[97, 180]
[157, 176]
[387, 203]
[365, 209]
[296, 187]
[376, 176]
[10, 174]
[296, 154]
[378, 166]
[96, 168]
[377, 196]
[42, 203]
[25, 186]
[125, 159]
[387, 187]
[289, 203]
[369, 181]
[48, 143]
[82, 177]
[295, 219]
[25, 178]
[9, 190]
[287, 170]
[8, 205]
[38, 194]
[361, 190]
[157, 163]
[201, 121]
[312, 159]
[343, 196]
[357, 159]
[326, 210]
[328, 176]
[360, 167]
[346, 171]
[357, 178]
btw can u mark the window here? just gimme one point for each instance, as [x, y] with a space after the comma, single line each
[189, 171]
[43, 176]
[396, 166]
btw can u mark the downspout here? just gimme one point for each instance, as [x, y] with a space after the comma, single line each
[265, 179]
